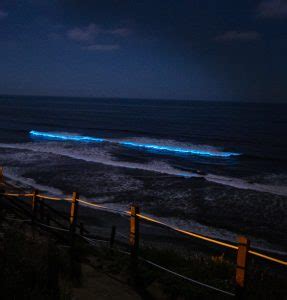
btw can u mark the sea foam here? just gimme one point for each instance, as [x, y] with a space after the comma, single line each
[158, 147]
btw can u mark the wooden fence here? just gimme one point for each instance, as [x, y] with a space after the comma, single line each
[242, 247]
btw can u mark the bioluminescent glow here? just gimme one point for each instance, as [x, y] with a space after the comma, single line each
[65, 137]
[178, 150]
[171, 149]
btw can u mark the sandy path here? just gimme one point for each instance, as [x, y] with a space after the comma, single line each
[98, 285]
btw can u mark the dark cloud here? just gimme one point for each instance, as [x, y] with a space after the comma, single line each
[3, 14]
[172, 49]
[121, 31]
[86, 34]
[273, 9]
[90, 32]
[234, 35]
[102, 47]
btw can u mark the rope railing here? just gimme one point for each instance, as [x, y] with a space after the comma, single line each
[267, 257]
[242, 247]
[103, 207]
[196, 282]
[189, 233]
[211, 240]
[93, 242]
[27, 195]
[16, 195]
[154, 221]
[187, 278]
[53, 198]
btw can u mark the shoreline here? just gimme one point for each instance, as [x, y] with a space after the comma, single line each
[105, 220]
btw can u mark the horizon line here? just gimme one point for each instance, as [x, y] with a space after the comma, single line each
[139, 98]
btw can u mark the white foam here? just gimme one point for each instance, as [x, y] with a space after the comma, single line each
[219, 233]
[192, 225]
[245, 185]
[29, 182]
[169, 143]
[97, 154]
[140, 142]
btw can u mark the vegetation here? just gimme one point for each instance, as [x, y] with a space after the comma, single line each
[33, 265]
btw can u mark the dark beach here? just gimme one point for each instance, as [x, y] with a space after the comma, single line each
[191, 203]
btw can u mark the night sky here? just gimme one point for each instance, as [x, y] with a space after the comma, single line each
[186, 49]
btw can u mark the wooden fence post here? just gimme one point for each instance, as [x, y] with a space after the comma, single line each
[241, 266]
[112, 239]
[73, 224]
[74, 212]
[134, 233]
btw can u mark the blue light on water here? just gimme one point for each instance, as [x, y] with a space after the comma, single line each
[79, 138]
[179, 150]
[64, 137]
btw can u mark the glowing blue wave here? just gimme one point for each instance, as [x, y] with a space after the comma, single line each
[178, 150]
[65, 137]
[58, 136]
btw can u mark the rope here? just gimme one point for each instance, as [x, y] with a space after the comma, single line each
[146, 218]
[279, 261]
[16, 195]
[122, 235]
[53, 198]
[189, 233]
[18, 220]
[94, 240]
[90, 242]
[187, 278]
[117, 249]
[169, 271]
[122, 251]
[38, 195]
[53, 227]
[102, 207]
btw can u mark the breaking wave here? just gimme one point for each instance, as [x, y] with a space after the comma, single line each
[245, 185]
[101, 155]
[97, 155]
[140, 143]
[14, 177]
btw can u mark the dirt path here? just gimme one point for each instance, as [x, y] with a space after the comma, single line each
[98, 285]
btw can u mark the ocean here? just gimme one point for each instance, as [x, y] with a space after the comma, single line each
[166, 155]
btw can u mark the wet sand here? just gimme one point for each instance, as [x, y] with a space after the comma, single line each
[193, 203]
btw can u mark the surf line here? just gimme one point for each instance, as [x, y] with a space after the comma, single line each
[158, 148]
